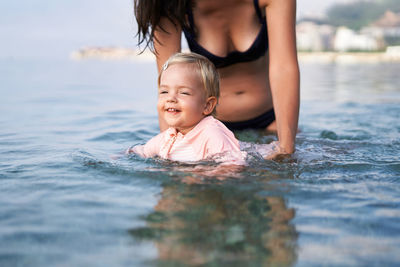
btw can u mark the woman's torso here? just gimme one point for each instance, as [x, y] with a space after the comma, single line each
[233, 25]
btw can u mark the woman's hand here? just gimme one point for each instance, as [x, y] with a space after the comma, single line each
[274, 151]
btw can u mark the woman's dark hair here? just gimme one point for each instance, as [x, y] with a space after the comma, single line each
[148, 15]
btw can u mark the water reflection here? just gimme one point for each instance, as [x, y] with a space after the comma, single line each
[342, 83]
[218, 224]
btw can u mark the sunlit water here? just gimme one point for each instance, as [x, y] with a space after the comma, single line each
[66, 200]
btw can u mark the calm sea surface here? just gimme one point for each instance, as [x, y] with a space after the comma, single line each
[69, 198]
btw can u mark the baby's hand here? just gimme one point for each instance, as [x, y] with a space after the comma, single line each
[130, 150]
[136, 149]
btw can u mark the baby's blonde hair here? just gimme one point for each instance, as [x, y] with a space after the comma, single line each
[205, 68]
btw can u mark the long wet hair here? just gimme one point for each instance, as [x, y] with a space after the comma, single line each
[148, 14]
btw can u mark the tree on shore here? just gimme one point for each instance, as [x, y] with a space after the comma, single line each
[358, 14]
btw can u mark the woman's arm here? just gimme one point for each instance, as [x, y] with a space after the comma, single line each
[283, 69]
[166, 43]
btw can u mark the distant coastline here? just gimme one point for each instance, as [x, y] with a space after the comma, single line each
[119, 53]
[348, 57]
[111, 53]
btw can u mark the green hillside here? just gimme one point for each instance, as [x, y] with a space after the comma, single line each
[360, 13]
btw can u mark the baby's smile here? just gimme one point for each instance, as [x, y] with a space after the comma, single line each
[172, 110]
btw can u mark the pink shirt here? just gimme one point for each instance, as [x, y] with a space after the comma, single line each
[207, 138]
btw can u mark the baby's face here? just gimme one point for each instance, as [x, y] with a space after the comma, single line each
[181, 97]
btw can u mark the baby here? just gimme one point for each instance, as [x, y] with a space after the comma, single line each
[188, 91]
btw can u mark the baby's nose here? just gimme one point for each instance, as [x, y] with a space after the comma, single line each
[171, 97]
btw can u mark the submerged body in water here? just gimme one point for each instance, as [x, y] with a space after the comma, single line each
[210, 224]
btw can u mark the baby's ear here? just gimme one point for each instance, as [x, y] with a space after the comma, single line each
[210, 105]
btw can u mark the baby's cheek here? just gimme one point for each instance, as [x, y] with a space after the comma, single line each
[160, 104]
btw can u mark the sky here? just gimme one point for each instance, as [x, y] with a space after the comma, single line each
[315, 7]
[46, 28]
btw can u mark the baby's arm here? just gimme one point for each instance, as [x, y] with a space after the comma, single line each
[150, 149]
[225, 149]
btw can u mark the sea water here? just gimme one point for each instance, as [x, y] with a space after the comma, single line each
[69, 197]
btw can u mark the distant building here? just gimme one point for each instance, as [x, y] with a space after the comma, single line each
[314, 34]
[393, 52]
[311, 36]
[349, 40]
[388, 20]
[387, 28]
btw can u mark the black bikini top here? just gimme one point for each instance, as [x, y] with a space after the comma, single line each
[256, 50]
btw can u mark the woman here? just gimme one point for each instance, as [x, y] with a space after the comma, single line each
[253, 45]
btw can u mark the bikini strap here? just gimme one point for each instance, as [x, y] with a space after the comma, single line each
[189, 13]
[258, 11]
